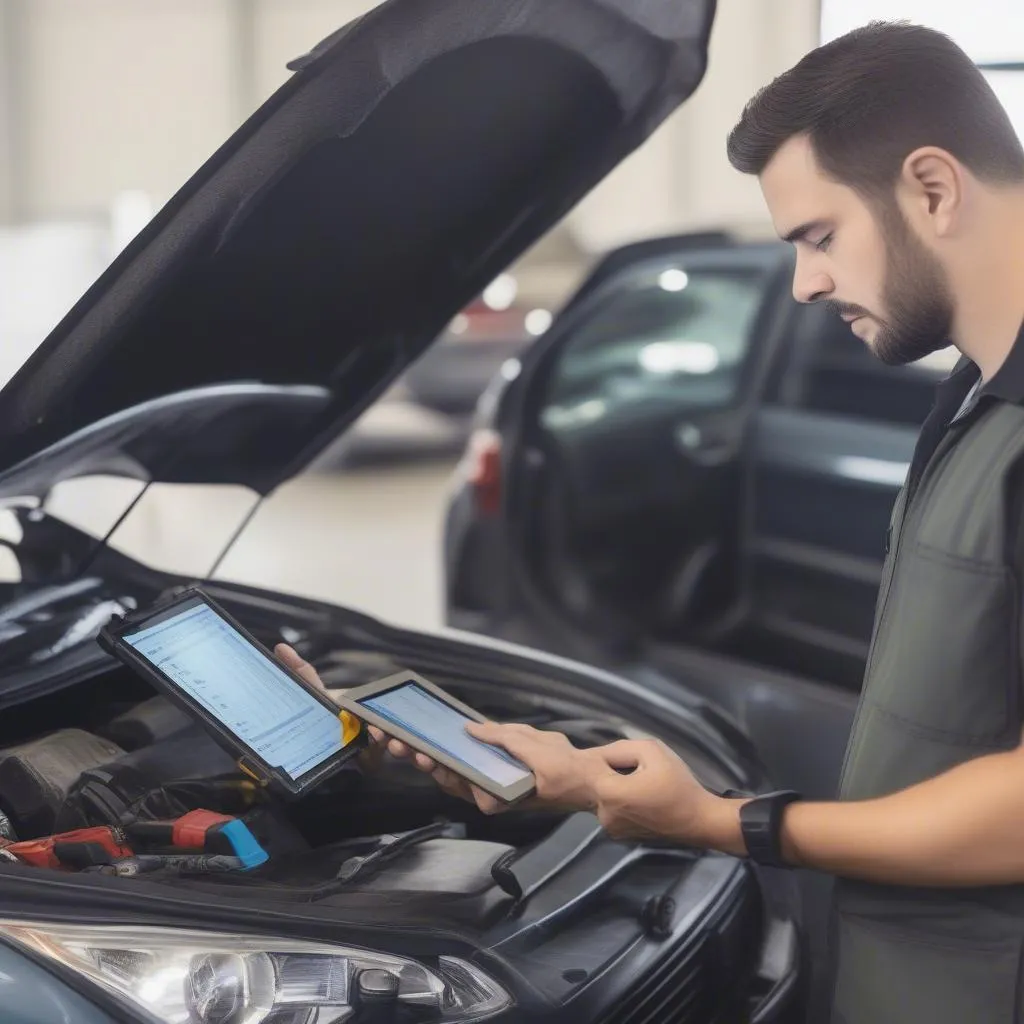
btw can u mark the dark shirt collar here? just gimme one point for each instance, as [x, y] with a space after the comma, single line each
[1008, 381]
[1007, 384]
[955, 403]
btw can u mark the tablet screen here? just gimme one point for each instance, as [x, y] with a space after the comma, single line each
[249, 693]
[422, 714]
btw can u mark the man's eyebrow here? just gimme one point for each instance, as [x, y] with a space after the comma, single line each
[798, 234]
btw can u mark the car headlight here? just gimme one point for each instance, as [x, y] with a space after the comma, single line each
[196, 977]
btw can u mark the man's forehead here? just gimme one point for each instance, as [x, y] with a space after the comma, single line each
[795, 189]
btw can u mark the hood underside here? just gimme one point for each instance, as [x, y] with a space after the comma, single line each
[410, 158]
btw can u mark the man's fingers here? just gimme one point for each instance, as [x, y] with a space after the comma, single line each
[452, 784]
[297, 663]
[518, 740]
[487, 803]
[400, 750]
[396, 748]
[622, 755]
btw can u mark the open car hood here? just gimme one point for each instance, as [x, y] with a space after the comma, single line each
[411, 157]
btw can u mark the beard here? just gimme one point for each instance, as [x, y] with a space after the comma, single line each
[916, 295]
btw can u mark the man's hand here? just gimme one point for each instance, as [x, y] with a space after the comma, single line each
[637, 788]
[651, 793]
[370, 758]
[565, 775]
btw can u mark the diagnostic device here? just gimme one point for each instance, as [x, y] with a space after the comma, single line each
[282, 732]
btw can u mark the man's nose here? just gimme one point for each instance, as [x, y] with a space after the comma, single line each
[811, 284]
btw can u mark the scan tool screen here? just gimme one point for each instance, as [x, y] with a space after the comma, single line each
[243, 688]
[443, 727]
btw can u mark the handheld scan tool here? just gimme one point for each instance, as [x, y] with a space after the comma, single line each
[429, 720]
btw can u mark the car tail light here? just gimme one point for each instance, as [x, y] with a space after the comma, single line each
[483, 471]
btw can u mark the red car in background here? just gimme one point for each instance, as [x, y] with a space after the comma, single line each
[450, 377]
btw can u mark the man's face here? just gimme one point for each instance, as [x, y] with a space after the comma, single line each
[869, 268]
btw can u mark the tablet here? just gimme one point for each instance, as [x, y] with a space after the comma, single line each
[281, 731]
[415, 711]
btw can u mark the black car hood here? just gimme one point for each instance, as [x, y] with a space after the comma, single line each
[412, 155]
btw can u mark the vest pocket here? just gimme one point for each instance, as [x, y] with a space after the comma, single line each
[889, 974]
[946, 658]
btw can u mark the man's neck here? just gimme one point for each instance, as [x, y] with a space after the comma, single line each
[990, 300]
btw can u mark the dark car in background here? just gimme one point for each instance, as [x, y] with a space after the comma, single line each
[240, 333]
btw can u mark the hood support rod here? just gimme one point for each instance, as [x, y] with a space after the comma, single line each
[102, 544]
[247, 519]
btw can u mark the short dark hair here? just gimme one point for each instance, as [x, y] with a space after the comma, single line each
[870, 98]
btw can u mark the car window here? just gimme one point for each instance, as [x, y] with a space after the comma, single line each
[667, 334]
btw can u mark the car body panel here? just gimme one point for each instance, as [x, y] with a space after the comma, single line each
[30, 994]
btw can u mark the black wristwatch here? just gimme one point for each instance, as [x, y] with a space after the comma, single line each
[761, 824]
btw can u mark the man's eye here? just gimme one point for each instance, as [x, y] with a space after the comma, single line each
[823, 245]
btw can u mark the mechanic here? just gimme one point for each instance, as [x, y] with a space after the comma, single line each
[887, 161]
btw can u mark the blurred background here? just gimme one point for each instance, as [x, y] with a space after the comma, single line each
[108, 106]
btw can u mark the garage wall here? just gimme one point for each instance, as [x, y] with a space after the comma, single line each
[105, 96]
[8, 132]
[119, 94]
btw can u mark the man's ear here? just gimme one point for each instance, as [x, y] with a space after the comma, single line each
[932, 182]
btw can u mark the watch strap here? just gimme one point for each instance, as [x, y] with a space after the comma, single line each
[761, 824]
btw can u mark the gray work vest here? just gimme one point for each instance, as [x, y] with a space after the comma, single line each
[942, 686]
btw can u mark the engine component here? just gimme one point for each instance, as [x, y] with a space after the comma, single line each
[193, 747]
[119, 795]
[102, 796]
[76, 850]
[213, 833]
[36, 777]
[195, 864]
[116, 793]
[7, 830]
[147, 723]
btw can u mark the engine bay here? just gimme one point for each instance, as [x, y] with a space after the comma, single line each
[109, 754]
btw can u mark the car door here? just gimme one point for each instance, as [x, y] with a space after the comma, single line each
[625, 497]
[831, 447]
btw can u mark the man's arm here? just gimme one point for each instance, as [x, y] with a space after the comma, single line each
[962, 828]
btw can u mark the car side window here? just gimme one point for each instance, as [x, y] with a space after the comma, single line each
[835, 373]
[668, 334]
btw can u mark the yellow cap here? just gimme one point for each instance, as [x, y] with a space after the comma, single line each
[350, 727]
[251, 771]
